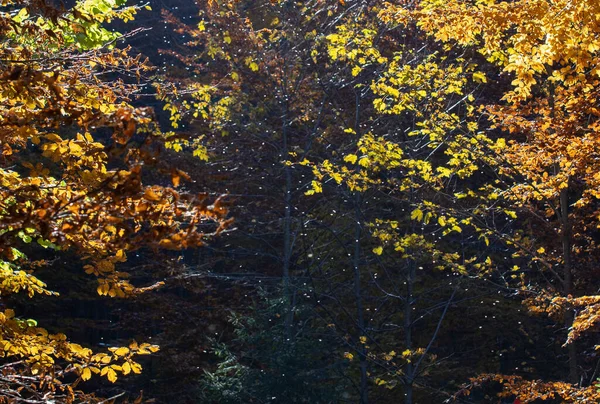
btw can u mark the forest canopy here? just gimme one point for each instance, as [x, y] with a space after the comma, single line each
[323, 201]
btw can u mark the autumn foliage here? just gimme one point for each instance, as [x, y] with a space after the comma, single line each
[475, 121]
[73, 151]
[393, 162]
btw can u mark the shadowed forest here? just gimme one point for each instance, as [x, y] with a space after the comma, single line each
[279, 201]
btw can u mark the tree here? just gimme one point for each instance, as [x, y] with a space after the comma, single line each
[253, 103]
[73, 153]
[547, 164]
[254, 93]
[383, 103]
[414, 114]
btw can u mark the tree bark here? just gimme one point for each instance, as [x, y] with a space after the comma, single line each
[287, 237]
[568, 280]
[364, 392]
[409, 371]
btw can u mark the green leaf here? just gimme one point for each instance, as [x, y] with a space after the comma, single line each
[26, 238]
[47, 244]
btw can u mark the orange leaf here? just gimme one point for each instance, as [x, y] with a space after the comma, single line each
[175, 178]
[151, 195]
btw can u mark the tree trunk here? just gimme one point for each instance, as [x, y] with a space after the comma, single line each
[568, 279]
[409, 371]
[364, 393]
[287, 237]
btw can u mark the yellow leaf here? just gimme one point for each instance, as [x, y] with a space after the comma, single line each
[350, 158]
[122, 351]
[337, 177]
[136, 368]
[53, 137]
[316, 187]
[86, 374]
[120, 256]
[427, 218]
[417, 215]
[479, 77]
[111, 375]
[378, 250]
[364, 162]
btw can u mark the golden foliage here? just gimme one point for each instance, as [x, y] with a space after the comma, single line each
[53, 100]
[530, 391]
